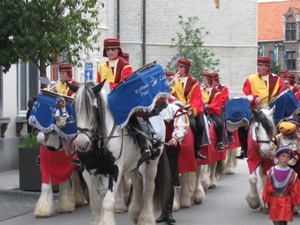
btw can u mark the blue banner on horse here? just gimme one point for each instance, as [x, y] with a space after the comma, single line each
[43, 113]
[140, 92]
[286, 105]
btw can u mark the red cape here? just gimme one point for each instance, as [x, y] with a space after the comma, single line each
[187, 161]
[210, 151]
[55, 165]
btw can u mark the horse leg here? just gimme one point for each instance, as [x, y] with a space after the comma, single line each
[253, 197]
[212, 176]
[199, 193]
[231, 161]
[137, 203]
[185, 197]
[95, 198]
[120, 206]
[45, 207]
[66, 200]
[147, 214]
[263, 178]
[77, 189]
[205, 181]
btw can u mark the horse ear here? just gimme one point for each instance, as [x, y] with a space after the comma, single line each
[98, 87]
[72, 87]
[272, 110]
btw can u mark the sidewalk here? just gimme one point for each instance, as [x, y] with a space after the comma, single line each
[9, 180]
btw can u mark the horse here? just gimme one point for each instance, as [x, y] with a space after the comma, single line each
[106, 150]
[55, 158]
[71, 187]
[260, 154]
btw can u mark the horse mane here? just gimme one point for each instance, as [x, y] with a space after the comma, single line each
[266, 122]
[89, 106]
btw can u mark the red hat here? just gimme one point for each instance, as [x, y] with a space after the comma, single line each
[289, 75]
[184, 62]
[65, 67]
[282, 72]
[125, 56]
[169, 74]
[264, 60]
[112, 43]
[284, 149]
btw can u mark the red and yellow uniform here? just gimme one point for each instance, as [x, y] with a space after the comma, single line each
[114, 71]
[212, 100]
[62, 88]
[255, 86]
[187, 90]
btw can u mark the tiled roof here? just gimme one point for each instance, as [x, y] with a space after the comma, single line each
[270, 18]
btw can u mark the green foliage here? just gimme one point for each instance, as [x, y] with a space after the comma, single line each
[29, 141]
[190, 45]
[274, 68]
[38, 31]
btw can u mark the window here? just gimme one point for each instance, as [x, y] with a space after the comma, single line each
[290, 60]
[27, 84]
[290, 31]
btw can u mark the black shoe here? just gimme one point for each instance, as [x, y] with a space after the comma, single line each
[38, 160]
[161, 218]
[200, 156]
[240, 155]
[220, 147]
[169, 218]
[231, 140]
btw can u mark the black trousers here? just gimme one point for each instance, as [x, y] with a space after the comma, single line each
[199, 132]
[218, 126]
[173, 156]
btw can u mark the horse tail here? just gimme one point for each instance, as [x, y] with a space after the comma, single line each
[162, 182]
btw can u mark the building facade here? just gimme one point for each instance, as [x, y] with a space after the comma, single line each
[145, 29]
[279, 33]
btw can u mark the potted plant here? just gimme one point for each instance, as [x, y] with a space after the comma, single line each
[29, 172]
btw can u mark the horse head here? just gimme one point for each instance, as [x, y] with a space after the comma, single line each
[88, 104]
[263, 129]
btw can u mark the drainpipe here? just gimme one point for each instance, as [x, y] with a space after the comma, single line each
[118, 19]
[144, 33]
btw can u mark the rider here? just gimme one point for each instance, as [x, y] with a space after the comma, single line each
[187, 90]
[224, 92]
[65, 70]
[260, 89]
[177, 125]
[213, 106]
[115, 70]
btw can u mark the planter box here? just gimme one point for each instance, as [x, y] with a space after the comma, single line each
[29, 173]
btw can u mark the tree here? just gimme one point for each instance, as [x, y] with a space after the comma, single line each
[275, 68]
[190, 45]
[39, 31]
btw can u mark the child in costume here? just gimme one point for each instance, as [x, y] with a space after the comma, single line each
[282, 189]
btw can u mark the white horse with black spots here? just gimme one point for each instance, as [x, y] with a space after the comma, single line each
[105, 150]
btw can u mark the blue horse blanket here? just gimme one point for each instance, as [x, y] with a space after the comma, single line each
[286, 104]
[42, 117]
[140, 92]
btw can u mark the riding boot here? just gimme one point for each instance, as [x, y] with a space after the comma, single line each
[162, 217]
[242, 132]
[169, 206]
[276, 222]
